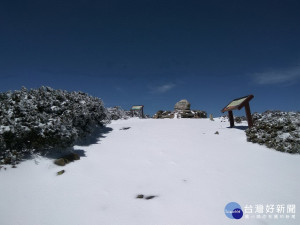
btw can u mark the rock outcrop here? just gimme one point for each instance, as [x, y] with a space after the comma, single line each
[182, 109]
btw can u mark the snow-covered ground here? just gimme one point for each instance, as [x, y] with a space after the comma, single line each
[193, 172]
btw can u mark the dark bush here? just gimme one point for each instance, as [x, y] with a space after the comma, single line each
[44, 118]
[276, 129]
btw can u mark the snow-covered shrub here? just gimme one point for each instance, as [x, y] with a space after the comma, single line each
[275, 129]
[134, 113]
[239, 119]
[116, 113]
[45, 118]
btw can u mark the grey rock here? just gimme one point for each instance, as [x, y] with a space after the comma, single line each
[182, 105]
[71, 157]
[60, 162]
[150, 197]
[67, 159]
[61, 172]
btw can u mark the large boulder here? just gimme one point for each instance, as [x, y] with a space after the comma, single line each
[182, 105]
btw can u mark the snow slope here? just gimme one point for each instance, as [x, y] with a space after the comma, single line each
[193, 172]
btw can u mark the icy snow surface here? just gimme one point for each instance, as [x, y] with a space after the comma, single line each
[193, 172]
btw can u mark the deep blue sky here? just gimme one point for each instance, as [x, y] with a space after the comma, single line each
[155, 52]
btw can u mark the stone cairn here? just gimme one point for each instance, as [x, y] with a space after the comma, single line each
[182, 109]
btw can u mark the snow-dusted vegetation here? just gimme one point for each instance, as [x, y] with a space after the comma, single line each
[44, 118]
[116, 113]
[278, 130]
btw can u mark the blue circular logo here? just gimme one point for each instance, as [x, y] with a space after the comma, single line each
[233, 211]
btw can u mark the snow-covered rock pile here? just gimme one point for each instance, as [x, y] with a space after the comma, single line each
[161, 114]
[116, 113]
[275, 129]
[180, 114]
[191, 114]
[182, 109]
[44, 118]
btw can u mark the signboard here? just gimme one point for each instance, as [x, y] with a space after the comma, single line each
[237, 103]
[137, 107]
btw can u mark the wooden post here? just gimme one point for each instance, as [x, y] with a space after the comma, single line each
[231, 120]
[142, 112]
[248, 115]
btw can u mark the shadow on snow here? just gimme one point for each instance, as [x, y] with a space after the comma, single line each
[239, 127]
[90, 139]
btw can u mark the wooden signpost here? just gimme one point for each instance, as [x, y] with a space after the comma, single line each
[239, 103]
[139, 109]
